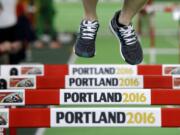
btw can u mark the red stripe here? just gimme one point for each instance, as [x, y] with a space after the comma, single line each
[164, 82]
[61, 70]
[50, 82]
[56, 70]
[153, 82]
[170, 117]
[149, 69]
[29, 118]
[41, 117]
[52, 97]
[165, 97]
[42, 97]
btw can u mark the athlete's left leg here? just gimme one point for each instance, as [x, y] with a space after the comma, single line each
[129, 10]
[121, 26]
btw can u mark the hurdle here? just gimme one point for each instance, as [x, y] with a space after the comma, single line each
[97, 97]
[62, 70]
[85, 85]
[90, 117]
[80, 82]
[172, 8]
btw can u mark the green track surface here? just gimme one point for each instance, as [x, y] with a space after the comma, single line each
[112, 131]
[68, 19]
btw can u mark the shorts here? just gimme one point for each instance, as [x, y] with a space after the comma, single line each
[9, 34]
[22, 31]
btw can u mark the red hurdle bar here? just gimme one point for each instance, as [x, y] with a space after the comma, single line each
[56, 70]
[48, 97]
[52, 97]
[151, 82]
[165, 82]
[170, 117]
[62, 70]
[57, 97]
[36, 118]
[50, 82]
[42, 97]
[21, 118]
[150, 69]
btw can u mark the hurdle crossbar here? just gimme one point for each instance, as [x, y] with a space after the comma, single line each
[99, 82]
[90, 117]
[90, 97]
[62, 70]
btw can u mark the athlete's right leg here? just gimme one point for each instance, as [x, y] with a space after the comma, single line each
[130, 46]
[85, 43]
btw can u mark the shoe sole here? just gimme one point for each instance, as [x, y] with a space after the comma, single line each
[112, 30]
[91, 56]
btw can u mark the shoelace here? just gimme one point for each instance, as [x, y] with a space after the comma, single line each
[89, 29]
[128, 34]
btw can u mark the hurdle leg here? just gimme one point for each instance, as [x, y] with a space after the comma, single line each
[152, 38]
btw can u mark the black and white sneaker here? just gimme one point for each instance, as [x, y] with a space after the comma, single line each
[85, 43]
[130, 47]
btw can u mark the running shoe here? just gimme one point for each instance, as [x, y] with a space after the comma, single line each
[130, 47]
[85, 43]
